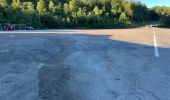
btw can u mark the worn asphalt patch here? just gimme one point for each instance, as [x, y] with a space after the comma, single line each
[82, 67]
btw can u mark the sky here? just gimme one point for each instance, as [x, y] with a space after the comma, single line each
[151, 3]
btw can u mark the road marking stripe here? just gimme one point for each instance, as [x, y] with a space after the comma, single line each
[2, 51]
[155, 44]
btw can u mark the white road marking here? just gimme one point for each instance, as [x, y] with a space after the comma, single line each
[2, 51]
[155, 44]
[41, 65]
[11, 36]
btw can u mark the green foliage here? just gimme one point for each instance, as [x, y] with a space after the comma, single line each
[16, 3]
[73, 5]
[162, 10]
[51, 5]
[81, 13]
[3, 3]
[41, 6]
[165, 21]
[28, 7]
[97, 11]
[137, 11]
[66, 9]
[162, 13]
[117, 6]
[59, 9]
[123, 18]
[154, 16]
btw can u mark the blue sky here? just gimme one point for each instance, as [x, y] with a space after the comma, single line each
[151, 3]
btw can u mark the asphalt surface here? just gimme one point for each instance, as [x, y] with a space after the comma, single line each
[103, 65]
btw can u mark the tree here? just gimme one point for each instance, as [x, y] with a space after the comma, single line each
[96, 11]
[81, 13]
[41, 6]
[86, 13]
[16, 3]
[66, 8]
[73, 5]
[105, 2]
[41, 9]
[163, 13]
[59, 9]
[137, 11]
[128, 9]
[154, 16]
[3, 3]
[162, 10]
[51, 5]
[117, 6]
[123, 18]
[28, 6]
[165, 21]
[89, 3]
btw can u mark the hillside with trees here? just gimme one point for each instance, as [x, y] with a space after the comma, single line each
[81, 13]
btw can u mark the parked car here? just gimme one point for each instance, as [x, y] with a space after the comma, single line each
[29, 28]
[7, 27]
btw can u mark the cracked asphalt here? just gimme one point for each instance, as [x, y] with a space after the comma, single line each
[85, 65]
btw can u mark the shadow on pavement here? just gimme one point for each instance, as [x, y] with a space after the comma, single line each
[63, 63]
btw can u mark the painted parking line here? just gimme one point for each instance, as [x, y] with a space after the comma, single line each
[2, 51]
[155, 44]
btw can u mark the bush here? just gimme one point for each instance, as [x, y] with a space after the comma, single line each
[165, 21]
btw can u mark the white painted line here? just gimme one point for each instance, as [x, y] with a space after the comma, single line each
[2, 51]
[12, 36]
[155, 44]
[41, 65]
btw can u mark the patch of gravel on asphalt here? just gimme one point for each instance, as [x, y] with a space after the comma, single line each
[19, 66]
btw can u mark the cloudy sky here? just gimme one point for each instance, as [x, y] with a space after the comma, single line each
[151, 3]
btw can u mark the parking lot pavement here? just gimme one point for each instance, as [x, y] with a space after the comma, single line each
[85, 65]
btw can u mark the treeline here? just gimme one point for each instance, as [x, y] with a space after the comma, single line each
[162, 14]
[80, 13]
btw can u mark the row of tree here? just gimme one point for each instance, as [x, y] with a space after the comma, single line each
[80, 13]
[162, 14]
